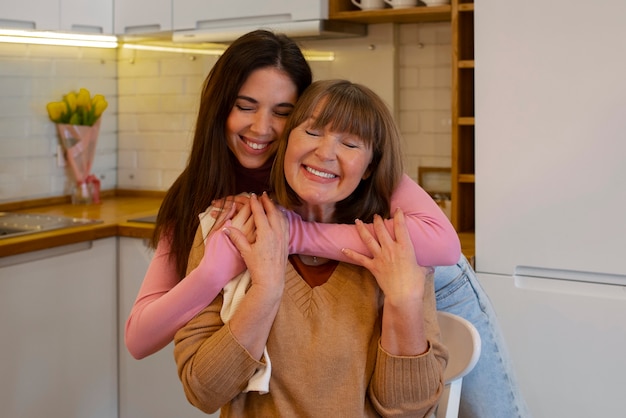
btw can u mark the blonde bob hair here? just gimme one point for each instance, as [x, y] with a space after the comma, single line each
[352, 108]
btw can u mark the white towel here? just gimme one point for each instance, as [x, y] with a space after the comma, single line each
[233, 292]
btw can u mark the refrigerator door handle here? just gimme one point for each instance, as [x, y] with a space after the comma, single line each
[570, 281]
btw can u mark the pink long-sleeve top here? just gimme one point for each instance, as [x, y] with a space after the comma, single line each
[165, 303]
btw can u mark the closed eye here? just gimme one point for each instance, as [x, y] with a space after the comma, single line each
[244, 108]
[283, 114]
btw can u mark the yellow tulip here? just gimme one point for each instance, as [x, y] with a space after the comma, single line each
[99, 105]
[83, 99]
[70, 99]
[56, 111]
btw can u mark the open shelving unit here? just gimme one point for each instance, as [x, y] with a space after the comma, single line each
[463, 170]
[460, 14]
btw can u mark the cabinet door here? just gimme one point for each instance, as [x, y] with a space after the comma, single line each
[59, 332]
[94, 16]
[198, 14]
[150, 387]
[30, 14]
[142, 16]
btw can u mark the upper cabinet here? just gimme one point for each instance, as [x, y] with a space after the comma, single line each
[200, 14]
[30, 14]
[95, 16]
[143, 16]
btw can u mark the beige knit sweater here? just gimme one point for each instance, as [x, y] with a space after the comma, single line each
[325, 353]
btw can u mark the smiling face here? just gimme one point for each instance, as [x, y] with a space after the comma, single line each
[324, 167]
[258, 117]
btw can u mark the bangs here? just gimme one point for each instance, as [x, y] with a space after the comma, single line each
[349, 113]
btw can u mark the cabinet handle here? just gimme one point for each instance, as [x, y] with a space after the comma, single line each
[86, 28]
[142, 29]
[17, 24]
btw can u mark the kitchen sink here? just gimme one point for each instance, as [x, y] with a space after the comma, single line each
[17, 224]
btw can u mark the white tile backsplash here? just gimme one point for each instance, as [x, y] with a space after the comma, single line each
[153, 98]
[30, 77]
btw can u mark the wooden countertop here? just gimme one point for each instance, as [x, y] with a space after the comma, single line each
[114, 212]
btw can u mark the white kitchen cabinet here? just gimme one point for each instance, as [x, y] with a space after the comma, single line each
[93, 16]
[142, 16]
[59, 335]
[30, 14]
[150, 387]
[200, 14]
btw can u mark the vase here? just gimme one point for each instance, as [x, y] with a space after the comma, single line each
[79, 144]
[82, 194]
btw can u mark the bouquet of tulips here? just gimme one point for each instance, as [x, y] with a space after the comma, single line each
[77, 118]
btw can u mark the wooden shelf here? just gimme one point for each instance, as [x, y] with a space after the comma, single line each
[346, 11]
[466, 121]
[466, 178]
[463, 122]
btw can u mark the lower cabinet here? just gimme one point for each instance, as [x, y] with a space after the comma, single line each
[149, 388]
[58, 348]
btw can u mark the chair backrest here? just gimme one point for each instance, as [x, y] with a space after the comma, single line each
[463, 343]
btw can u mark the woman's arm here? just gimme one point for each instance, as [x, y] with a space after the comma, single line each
[215, 361]
[435, 241]
[409, 334]
[213, 367]
[165, 303]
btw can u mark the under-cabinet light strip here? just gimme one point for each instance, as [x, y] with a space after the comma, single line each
[180, 50]
[57, 38]
[108, 41]
[309, 55]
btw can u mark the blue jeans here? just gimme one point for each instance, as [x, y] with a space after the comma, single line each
[490, 389]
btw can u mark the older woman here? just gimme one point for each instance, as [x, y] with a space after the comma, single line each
[333, 338]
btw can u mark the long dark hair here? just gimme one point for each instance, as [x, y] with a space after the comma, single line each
[355, 109]
[210, 171]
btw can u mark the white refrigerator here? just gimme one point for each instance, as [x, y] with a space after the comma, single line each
[550, 144]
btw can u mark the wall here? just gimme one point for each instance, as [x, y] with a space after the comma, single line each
[30, 77]
[153, 98]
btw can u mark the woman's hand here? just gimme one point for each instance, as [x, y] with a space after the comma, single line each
[402, 281]
[266, 259]
[266, 256]
[393, 263]
[237, 210]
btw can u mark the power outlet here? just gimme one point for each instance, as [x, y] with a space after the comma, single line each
[60, 157]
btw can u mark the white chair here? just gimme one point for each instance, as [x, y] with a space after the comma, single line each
[463, 343]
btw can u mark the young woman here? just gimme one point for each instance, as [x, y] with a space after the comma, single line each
[343, 341]
[246, 99]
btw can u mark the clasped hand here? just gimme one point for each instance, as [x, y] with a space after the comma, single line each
[393, 262]
[260, 232]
